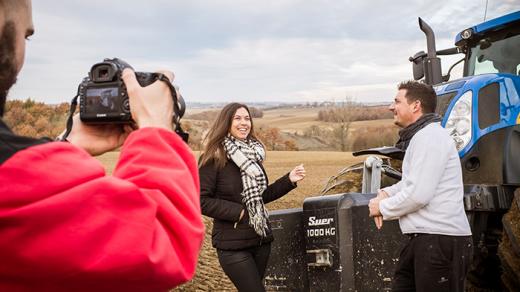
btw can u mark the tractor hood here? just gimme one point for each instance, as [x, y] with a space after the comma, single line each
[475, 106]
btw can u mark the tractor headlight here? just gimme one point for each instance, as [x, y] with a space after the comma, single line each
[466, 34]
[459, 121]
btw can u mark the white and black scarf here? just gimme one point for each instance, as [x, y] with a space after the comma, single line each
[248, 155]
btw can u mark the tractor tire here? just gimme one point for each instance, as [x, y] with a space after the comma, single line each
[509, 247]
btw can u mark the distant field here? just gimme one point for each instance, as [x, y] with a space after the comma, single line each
[300, 126]
[319, 165]
[298, 119]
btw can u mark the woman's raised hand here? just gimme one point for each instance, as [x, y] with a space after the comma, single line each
[297, 174]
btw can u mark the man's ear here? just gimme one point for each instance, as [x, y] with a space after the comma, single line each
[417, 106]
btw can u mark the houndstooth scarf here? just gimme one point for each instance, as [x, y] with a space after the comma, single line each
[247, 155]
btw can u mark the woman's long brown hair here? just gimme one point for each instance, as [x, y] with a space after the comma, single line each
[213, 149]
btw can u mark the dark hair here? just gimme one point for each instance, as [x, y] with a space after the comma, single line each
[422, 92]
[213, 149]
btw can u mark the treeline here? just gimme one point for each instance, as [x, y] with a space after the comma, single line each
[351, 112]
[342, 137]
[35, 119]
[274, 140]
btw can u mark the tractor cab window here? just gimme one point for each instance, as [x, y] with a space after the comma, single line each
[496, 53]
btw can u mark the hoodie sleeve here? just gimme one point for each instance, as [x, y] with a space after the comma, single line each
[68, 226]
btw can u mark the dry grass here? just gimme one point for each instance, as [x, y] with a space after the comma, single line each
[319, 165]
[109, 160]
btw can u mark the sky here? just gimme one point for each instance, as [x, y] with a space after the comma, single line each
[245, 50]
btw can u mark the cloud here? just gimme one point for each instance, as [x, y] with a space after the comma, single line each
[294, 69]
[288, 50]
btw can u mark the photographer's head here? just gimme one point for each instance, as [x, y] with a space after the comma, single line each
[15, 27]
[413, 99]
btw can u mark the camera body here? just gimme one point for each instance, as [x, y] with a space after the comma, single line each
[102, 95]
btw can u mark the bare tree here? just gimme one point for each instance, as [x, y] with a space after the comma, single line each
[346, 116]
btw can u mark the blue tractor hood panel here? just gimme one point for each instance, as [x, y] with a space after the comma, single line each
[509, 95]
[489, 25]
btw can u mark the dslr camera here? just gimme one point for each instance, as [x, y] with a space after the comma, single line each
[103, 97]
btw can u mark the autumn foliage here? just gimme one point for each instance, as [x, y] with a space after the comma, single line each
[35, 119]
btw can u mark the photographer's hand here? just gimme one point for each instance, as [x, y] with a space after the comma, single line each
[97, 139]
[151, 106]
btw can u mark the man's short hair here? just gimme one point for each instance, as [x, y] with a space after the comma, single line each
[422, 92]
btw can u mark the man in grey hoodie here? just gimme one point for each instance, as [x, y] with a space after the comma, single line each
[428, 201]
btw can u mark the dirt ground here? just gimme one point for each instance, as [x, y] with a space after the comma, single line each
[320, 166]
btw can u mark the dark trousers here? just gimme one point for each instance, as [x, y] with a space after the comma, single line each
[245, 267]
[431, 262]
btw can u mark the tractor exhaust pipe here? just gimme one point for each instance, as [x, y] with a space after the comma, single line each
[430, 38]
[432, 64]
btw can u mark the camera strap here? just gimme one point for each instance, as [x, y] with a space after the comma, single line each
[73, 105]
[179, 108]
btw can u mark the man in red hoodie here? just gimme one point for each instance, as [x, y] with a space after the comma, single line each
[67, 226]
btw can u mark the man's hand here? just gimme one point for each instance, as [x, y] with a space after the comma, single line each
[151, 106]
[373, 207]
[297, 174]
[97, 139]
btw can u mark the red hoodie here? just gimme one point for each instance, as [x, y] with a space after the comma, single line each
[67, 226]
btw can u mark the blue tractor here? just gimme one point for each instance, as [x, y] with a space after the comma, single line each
[482, 112]
[331, 245]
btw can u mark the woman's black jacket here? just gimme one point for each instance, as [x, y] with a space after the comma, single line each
[221, 199]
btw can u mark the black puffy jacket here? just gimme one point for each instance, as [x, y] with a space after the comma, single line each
[221, 199]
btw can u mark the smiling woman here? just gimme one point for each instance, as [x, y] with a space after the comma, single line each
[241, 125]
[233, 189]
